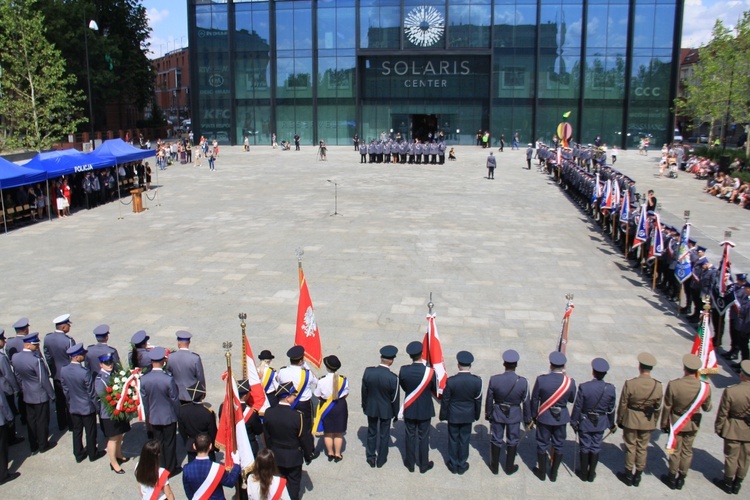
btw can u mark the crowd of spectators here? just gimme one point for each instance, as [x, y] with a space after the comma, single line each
[723, 184]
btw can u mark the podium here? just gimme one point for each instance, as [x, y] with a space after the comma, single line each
[137, 195]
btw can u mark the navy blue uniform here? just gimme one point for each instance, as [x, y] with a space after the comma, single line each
[417, 416]
[593, 413]
[282, 428]
[506, 406]
[159, 396]
[80, 394]
[55, 345]
[380, 402]
[551, 428]
[461, 406]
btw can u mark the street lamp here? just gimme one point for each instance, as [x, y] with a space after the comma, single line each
[92, 26]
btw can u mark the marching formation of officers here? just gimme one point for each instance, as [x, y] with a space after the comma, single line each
[402, 151]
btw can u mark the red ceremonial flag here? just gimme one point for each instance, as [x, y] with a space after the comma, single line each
[724, 266]
[307, 334]
[231, 435]
[257, 397]
[432, 353]
[703, 346]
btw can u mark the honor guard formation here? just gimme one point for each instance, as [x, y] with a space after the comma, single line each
[171, 388]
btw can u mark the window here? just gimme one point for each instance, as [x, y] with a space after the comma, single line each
[513, 77]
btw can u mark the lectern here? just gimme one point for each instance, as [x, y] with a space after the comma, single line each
[137, 194]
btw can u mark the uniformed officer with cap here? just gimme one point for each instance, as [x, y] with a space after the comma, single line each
[380, 402]
[268, 375]
[283, 428]
[33, 376]
[593, 414]
[681, 394]
[637, 416]
[195, 418]
[733, 425]
[139, 357]
[304, 382]
[738, 290]
[185, 366]
[56, 345]
[6, 420]
[94, 351]
[529, 155]
[461, 406]
[506, 406]
[80, 394]
[161, 405]
[549, 409]
[9, 387]
[15, 344]
[418, 409]
[743, 326]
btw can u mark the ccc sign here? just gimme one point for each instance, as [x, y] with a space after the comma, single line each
[648, 91]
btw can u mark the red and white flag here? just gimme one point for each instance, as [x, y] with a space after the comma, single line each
[724, 266]
[703, 346]
[432, 354]
[231, 435]
[307, 334]
[257, 397]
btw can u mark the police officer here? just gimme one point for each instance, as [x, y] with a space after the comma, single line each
[506, 406]
[159, 395]
[9, 387]
[380, 402]
[593, 413]
[549, 409]
[461, 406]
[417, 409]
[363, 152]
[94, 351]
[185, 366]
[738, 289]
[733, 425]
[33, 376]
[78, 386]
[304, 382]
[195, 418]
[743, 326]
[637, 416]
[283, 428]
[529, 155]
[6, 419]
[682, 398]
[15, 344]
[55, 346]
[268, 376]
[491, 164]
[139, 357]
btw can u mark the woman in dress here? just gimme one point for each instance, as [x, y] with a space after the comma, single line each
[114, 430]
[264, 483]
[332, 390]
[67, 193]
[148, 177]
[150, 476]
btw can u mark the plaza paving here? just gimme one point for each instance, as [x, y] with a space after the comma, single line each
[498, 256]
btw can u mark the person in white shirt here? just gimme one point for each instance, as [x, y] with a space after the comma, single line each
[149, 475]
[333, 413]
[264, 481]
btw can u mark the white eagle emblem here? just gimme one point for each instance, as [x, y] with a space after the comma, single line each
[308, 325]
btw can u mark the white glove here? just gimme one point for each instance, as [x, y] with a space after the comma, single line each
[235, 457]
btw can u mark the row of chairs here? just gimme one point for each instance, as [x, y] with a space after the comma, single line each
[17, 214]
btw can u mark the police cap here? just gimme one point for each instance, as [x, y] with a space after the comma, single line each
[464, 358]
[101, 330]
[75, 350]
[414, 348]
[296, 353]
[557, 358]
[388, 351]
[600, 365]
[158, 353]
[511, 356]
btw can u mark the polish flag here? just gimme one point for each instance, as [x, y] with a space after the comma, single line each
[432, 354]
[307, 334]
[257, 397]
[231, 434]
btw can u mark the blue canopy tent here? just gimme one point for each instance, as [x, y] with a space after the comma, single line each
[12, 175]
[66, 162]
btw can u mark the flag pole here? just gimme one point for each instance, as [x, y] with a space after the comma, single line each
[563, 340]
[243, 317]
[656, 270]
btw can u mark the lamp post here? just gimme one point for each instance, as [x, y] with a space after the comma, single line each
[93, 26]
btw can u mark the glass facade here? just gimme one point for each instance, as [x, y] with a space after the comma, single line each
[330, 69]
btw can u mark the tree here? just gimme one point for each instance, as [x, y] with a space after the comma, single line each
[37, 102]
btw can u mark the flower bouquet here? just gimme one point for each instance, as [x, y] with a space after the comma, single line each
[122, 396]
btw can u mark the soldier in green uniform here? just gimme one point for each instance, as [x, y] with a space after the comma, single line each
[733, 425]
[684, 399]
[637, 416]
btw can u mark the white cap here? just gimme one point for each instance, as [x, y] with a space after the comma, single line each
[62, 319]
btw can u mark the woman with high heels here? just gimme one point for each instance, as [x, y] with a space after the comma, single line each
[333, 412]
[153, 481]
[114, 430]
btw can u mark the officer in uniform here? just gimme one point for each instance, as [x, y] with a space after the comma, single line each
[195, 418]
[33, 376]
[283, 428]
[139, 357]
[296, 373]
[56, 345]
[78, 386]
[506, 406]
[418, 151]
[461, 406]
[15, 344]
[593, 413]
[8, 386]
[6, 420]
[680, 395]
[185, 366]
[268, 376]
[637, 416]
[363, 152]
[253, 422]
[733, 425]
[738, 289]
[161, 405]
[743, 326]
[529, 155]
[549, 409]
[418, 412]
[380, 402]
[94, 351]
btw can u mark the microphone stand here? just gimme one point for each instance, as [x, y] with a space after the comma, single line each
[335, 198]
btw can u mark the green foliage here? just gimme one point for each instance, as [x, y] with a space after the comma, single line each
[716, 153]
[38, 104]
